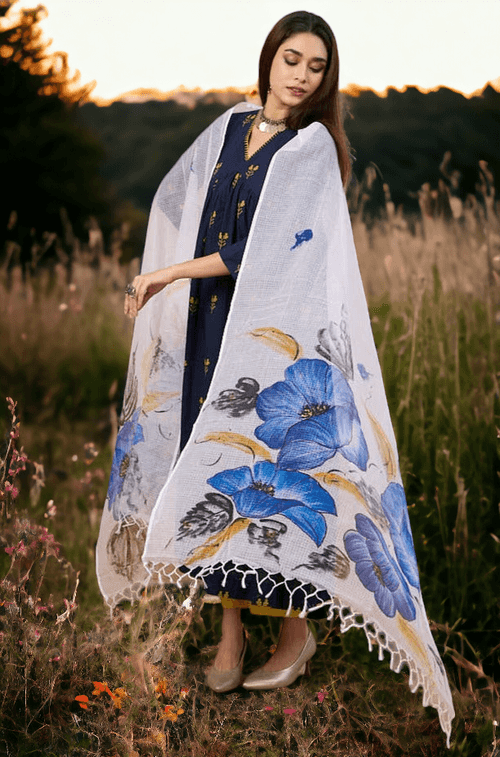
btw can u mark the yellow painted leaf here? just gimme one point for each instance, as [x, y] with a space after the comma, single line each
[279, 341]
[385, 448]
[238, 441]
[146, 361]
[215, 542]
[152, 400]
[333, 479]
[416, 647]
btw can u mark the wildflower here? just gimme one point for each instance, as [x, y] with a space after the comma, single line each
[14, 491]
[63, 307]
[269, 709]
[161, 687]
[170, 714]
[289, 711]
[51, 510]
[83, 701]
[184, 692]
[321, 695]
[118, 696]
[101, 688]
[90, 452]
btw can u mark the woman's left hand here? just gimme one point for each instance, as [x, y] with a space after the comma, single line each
[146, 285]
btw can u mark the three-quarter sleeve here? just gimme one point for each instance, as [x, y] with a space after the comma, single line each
[232, 255]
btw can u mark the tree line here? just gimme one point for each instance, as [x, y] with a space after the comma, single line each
[63, 157]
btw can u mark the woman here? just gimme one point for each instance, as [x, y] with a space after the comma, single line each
[286, 497]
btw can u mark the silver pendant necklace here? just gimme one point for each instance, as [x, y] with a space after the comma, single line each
[269, 126]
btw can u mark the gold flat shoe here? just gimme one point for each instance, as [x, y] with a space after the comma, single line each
[221, 681]
[263, 679]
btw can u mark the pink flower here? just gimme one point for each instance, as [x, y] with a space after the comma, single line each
[269, 708]
[289, 711]
[321, 696]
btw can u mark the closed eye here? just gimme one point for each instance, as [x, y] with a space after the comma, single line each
[314, 70]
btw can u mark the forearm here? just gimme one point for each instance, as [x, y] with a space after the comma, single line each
[199, 268]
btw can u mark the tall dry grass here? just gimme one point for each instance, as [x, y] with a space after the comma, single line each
[75, 681]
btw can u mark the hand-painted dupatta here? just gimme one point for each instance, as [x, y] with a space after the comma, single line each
[291, 473]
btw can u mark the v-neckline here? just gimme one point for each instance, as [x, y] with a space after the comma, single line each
[247, 141]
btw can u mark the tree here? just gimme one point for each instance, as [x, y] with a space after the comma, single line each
[47, 160]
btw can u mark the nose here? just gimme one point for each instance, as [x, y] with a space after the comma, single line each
[301, 72]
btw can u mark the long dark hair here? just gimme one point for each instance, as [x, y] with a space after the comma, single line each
[324, 105]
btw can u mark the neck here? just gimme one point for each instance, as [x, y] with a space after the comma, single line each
[274, 109]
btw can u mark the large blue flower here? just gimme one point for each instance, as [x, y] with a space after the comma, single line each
[376, 569]
[130, 433]
[311, 416]
[267, 490]
[394, 506]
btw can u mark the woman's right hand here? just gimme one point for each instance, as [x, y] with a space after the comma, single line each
[146, 285]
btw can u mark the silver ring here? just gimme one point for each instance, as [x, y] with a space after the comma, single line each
[131, 290]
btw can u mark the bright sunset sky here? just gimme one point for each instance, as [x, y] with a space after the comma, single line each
[162, 44]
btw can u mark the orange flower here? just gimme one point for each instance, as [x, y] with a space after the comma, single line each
[83, 701]
[161, 687]
[169, 714]
[184, 692]
[101, 688]
[118, 696]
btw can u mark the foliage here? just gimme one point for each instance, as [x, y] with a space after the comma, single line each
[404, 134]
[48, 160]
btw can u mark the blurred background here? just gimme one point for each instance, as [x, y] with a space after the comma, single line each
[97, 102]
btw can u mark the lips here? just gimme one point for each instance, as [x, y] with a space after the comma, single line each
[297, 91]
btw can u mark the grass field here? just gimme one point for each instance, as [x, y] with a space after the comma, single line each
[433, 290]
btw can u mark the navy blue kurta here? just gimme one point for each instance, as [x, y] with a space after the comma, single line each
[232, 198]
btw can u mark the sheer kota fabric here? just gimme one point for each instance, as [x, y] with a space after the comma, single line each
[290, 479]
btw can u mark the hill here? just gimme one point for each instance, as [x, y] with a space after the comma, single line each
[405, 133]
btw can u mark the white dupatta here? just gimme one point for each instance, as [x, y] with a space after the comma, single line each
[290, 478]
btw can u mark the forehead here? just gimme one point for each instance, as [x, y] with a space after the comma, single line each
[306, 43]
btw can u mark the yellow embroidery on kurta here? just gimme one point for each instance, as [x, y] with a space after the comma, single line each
[213, 302]
[217, 168]
[241, 205]
[193, 304]
[236, 179]
[251, 170]
[185, 363]
[248, 118]
[223, 237]
[201, 400]
[212, 219]
[206, 364]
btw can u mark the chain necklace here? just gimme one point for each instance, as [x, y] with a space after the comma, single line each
[269, 126]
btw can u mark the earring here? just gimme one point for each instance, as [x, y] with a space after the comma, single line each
[269, 89]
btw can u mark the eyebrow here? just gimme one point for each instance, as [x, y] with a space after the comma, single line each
[296, 52]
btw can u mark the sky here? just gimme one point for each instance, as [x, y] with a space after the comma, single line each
[164, 44]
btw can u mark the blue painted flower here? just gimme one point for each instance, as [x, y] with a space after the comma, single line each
[363, 372]
[396, 511]
[267, 490]
[130, 433]
[376, 569]
[301, 237]
[311, 416]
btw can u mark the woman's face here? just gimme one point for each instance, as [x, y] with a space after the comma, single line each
[296, 71]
